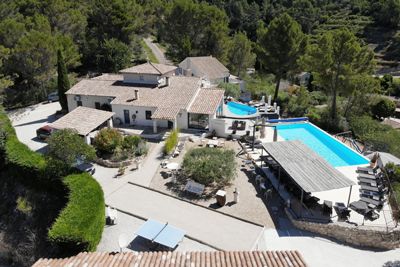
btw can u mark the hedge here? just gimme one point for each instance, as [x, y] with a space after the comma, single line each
[81, 222]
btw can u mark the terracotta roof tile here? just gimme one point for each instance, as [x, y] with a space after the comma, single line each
[83, 119]
[150, 68]
[206, 101]
[175, 259]
[209, 66]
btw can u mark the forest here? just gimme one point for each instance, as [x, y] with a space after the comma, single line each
[98, 36]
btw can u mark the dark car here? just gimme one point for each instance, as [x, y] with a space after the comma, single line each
[44, 132]
[53, 97]
[86, 167]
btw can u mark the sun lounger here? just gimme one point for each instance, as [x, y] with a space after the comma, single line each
[195, 188]
[372, 201]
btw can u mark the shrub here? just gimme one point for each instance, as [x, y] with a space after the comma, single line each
[383, 108]
[393, 171]
[380, 137]
[107, 140]
[209, 165]
[80, 224]
[66, 145]
[171, 142]
[131, 141]
[231, 89]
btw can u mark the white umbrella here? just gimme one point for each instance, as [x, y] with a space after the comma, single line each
[173, 166]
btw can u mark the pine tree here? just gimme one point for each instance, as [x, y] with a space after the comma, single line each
[280, 46]
[63, 84]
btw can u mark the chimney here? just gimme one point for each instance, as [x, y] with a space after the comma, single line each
[136, 94]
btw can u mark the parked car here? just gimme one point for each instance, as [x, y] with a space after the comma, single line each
[52, 97]
[44, 132]
[86, 167]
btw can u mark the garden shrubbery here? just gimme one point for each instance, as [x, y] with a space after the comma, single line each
[171, 142]
[380, 137]
[80, 224]
[113, 145]
[210, 166]
[107, 140]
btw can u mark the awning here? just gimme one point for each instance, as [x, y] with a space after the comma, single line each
[161, 233]
[308, 170]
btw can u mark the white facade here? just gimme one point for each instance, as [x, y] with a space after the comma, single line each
[150, 79]
[87, 101]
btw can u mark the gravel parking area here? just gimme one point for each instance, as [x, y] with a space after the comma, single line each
[251, 206]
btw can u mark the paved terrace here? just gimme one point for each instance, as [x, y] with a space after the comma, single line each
[214, 228]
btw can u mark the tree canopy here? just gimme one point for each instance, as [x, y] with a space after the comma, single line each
[335, 59]
[280, 46]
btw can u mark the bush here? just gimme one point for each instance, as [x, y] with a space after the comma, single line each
[80, 224]
[380, 137]
[232, 90]
[210, 166]
[130, 142]
[107, 140]
[66, 145]
[393, 171]
[383, 108]
[171, 142]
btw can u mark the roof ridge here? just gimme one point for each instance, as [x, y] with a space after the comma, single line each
[151, 63]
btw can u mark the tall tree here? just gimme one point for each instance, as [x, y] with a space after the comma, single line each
[335, 60]
[5, 81]
[280, 46]
[63, 84]
[195, 29]
[240, 53]
[113, 55]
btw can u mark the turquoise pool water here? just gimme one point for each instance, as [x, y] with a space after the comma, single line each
[332, 150]
[240, 109]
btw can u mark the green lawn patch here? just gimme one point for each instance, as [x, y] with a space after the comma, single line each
[149, 53]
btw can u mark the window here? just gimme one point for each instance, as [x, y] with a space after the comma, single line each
[198, 121]
[127, 119]
[79, 103]
[148, 115]
[97, 105]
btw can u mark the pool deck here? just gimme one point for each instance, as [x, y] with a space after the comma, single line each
[341, 195]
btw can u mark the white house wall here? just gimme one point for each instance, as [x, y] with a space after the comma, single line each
[182, 121]
[87, 101]
[135, 78]
[140, 113]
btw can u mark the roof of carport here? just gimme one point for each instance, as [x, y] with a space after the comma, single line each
[84, 120]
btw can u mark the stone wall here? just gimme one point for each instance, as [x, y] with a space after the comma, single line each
[355, 235]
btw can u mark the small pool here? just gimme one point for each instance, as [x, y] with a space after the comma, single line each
[240, 109]
[332, 150]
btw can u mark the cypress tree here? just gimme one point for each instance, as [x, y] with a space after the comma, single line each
[63, 84]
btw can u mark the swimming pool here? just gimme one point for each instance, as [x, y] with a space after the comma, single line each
[332, 150]
[240, 109]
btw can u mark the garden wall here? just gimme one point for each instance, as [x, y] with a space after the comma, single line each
[351, 234]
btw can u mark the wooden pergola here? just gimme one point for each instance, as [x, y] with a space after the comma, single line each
[309, 171]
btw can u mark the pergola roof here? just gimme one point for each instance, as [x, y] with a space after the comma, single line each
[83, 120]
[308, 170]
